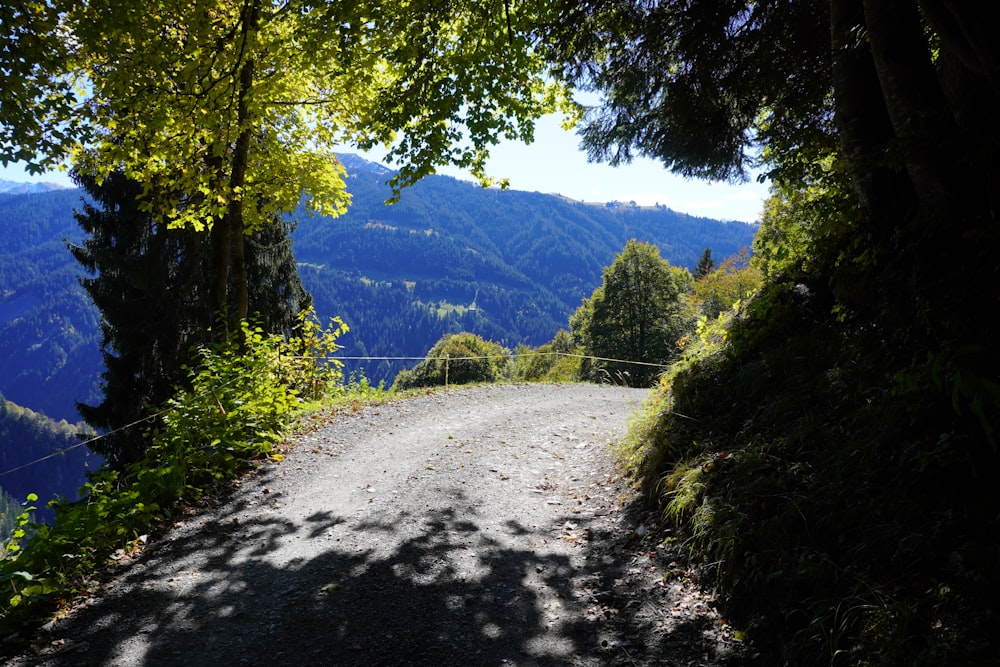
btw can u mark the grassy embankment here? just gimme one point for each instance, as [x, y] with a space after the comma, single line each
[842, 502]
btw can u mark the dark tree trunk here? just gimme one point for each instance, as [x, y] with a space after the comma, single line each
[221, 243]
[863, 123]
[925, 134]
[231, 292]
[241, 290]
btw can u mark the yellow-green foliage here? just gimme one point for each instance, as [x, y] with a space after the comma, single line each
[558, 361]
[734, 281]
[458, 359]
[794, 218]
[306, 361]
[652, 437]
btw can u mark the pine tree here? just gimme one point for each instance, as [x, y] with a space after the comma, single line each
[705, 264]
[152, 286]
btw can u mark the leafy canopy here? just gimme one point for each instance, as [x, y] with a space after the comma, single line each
[169, 93]
[633, 320]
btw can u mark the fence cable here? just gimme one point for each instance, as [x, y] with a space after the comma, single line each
[96, 437]
[153, 416]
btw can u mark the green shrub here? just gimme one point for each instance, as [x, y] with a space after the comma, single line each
[462, 358]
[558, 361]
[841, 505]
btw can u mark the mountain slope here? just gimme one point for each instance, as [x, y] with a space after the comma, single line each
[26, 436]
[50, 331]
[510, 266]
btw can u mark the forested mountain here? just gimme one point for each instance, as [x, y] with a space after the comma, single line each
[49, 356]
[510, 266]
[16, 187]
[450, 256]
[26, 436]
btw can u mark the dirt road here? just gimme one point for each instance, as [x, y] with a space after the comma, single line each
[480, 526]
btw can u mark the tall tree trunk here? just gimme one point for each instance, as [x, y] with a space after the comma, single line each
[924, 132]
[969, 63]
[239, 305]
[863, 123]
[968, 32]
[221, 243]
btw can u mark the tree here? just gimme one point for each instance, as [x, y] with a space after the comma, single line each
[37, 110]
[632, 321]
[894, 97]
[734, 281]
[227, 111]
[795, 220]
[705, 264]
[870, 351]
[150, 286]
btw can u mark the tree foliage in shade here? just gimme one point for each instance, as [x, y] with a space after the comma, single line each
[891, 98]
[151, 285]
[845, 493]
[636, 315]
[698, 86]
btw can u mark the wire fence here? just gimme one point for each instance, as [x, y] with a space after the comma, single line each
[96, 437]
[447, 358]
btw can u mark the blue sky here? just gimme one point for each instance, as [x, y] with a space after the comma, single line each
[555, 164]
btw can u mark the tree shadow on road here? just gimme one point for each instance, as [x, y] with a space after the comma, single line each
[452, 592]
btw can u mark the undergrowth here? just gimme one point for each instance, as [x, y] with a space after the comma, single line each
[841, 501]
[246, 395]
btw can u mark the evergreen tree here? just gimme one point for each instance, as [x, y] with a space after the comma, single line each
[152, 287]
[705, 264]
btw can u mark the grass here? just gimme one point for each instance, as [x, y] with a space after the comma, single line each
[839, 502]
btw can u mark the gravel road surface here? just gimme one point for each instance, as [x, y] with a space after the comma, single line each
[478, 526]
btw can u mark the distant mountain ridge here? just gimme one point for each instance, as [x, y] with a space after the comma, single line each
[523, 260]
[450, 256]
[19, 188]
[62, 462]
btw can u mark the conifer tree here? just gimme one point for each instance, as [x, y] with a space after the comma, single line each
[151, 284]
[705, 264]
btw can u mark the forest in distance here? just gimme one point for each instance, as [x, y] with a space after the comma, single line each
[450, 256]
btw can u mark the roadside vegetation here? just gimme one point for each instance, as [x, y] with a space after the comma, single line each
[627, 332]
[246, 395]
[834, 493]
